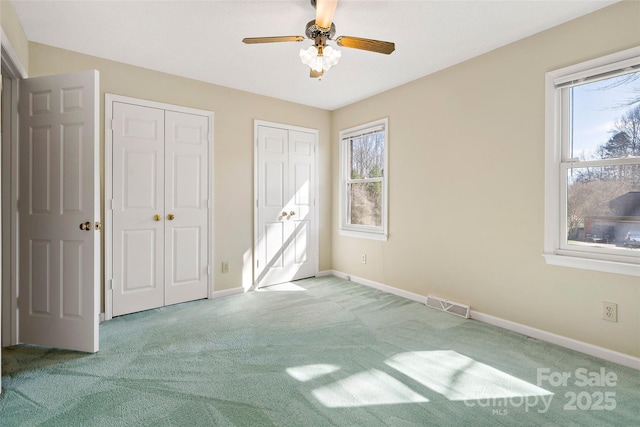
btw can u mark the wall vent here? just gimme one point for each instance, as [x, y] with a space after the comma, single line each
[452, 307]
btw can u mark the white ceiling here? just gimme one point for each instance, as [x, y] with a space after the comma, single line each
[202, 39]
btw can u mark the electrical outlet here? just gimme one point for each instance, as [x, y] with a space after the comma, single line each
[610, 311]
[363, 258]
[225, 266]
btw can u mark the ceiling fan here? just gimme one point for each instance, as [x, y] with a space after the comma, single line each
[320, 57]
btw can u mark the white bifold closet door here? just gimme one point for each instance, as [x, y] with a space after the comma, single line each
[286, 191]
[160, 207]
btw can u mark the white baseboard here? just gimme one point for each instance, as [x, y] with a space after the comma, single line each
[389, 289]
[375, 285]
[580, 346]
[227, 292]
[562, 341]
[327, 273]
[333, 273]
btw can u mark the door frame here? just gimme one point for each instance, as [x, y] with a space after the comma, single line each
[316, 204]
[9, 265]
[109, 99]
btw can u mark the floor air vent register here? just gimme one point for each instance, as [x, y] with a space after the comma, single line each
[452, 307]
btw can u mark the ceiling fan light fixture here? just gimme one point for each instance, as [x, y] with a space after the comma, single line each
[320, 58]
[331, 57]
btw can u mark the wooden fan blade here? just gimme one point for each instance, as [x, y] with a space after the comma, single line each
[315, 74]
[325, 9]
[366, 44]
[254, 40]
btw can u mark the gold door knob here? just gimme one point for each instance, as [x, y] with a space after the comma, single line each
[170, 217]
[85, 226]
[157, 217]
[292, 213]
[284, 214]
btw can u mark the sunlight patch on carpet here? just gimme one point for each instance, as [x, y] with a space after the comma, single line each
[310, 372]
[458, 377]
[368, 388]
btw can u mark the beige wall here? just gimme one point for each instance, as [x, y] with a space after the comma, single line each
[234, 113]
[466, 180]
[13, 30]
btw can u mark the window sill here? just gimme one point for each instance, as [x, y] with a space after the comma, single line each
[363, 235]
[615, 267]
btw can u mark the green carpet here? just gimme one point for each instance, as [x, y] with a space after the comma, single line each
[320, 352]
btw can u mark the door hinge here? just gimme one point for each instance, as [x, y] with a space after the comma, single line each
[257, 263]
[110, 284]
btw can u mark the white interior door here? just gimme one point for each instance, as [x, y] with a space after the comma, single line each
[138, 208]
[59, 248]
[186, 207]
[285, 247]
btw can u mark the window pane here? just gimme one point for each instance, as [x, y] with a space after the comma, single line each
[603, 205]
[366, 203]
[605, 118]
[363, 189]
[367, 156]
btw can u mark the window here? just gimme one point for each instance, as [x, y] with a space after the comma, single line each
[363, 180]
[592, 190]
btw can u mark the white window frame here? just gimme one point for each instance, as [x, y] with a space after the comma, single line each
[354, 230]
[556, 250]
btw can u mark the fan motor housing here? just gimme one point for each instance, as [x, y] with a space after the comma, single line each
[312, 31]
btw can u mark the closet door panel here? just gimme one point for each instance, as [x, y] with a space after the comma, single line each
[302, 255]
[186, 206]
[138, 196]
